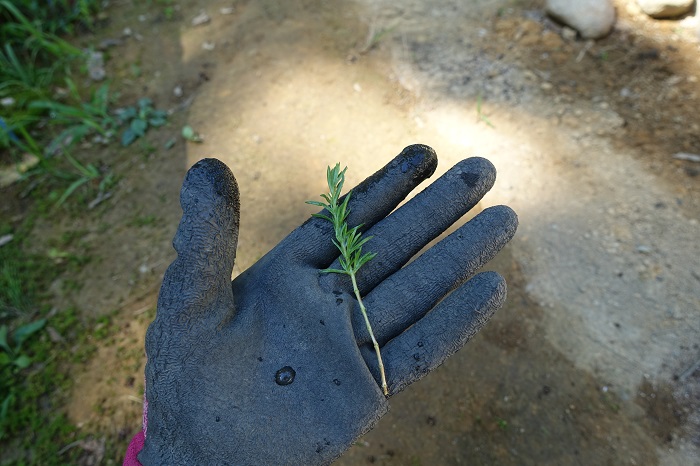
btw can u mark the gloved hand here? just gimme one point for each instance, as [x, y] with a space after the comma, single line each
[276, 368]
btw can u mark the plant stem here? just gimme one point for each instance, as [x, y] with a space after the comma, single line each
[385, 389]
[349, 242]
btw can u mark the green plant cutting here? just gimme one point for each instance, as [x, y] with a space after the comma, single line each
[349, 242]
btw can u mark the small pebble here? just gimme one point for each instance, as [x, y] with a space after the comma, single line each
[201, 18]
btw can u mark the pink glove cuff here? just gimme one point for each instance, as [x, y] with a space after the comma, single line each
[135, 447]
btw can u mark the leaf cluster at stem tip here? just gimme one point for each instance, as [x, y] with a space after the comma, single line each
[349, 241]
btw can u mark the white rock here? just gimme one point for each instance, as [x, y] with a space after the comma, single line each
[568, 34]
[95, 65]
[5, 239]
[665, 8]
[593, 19]
[687, 156]
[201, 18]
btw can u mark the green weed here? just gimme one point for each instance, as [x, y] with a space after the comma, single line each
[138, 119]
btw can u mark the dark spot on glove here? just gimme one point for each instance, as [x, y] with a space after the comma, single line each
[320, 447]
[470, 178]
[285, 376]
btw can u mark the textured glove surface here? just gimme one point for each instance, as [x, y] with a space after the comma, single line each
[275, 368]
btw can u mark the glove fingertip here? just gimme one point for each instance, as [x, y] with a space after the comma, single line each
[210, 207]
[209, 180]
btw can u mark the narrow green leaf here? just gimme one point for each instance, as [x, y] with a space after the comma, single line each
[4, 409]
[334, 271]
[363, 241]
[3, 338]
[365, 258]
[317, 203]
[75, 185]
[322, 216]
[337, 244]
[25, 331]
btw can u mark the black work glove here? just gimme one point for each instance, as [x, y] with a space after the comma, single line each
[276, 368]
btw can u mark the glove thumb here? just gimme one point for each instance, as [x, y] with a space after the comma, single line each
[197, 284]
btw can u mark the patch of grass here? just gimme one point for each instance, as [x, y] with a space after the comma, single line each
[143, 221]
[34, 429]
[36, 345]
[22, 276]
[72, 237]
[42, 110]
[103, 327]
[169, 8]
[31, 61]
[60, 16]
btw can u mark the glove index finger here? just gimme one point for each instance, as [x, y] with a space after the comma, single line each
[198, 282]
[371, 201]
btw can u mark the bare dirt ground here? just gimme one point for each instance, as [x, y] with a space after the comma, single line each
[594, 358]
